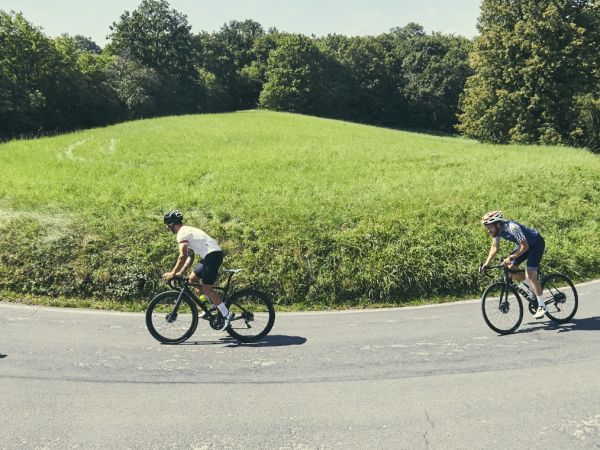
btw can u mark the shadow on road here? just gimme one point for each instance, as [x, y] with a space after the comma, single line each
[587, 324]
[2, 355]
[268, 341]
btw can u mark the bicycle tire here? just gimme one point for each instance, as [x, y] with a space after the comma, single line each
[495, 312]
[254, 315]
[159, 323]
[562, 292]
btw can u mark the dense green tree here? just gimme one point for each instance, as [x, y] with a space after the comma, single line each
[215, 69]
[136, 86]
[85, 44]
[256, 69]
[434, 71]
[531, 62]
[27, 62]
[404, 78]
[84, 97]
[154, 66]
[101, 104]
[156, 36]
[49, 85]
[297, 78]
[160, 39]
[238, 39]
[586, 129]
[225, 54]
[361, 78]
[216, 93]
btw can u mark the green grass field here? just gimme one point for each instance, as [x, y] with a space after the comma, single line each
[320, 213]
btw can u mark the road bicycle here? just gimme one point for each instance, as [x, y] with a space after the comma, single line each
[502, 306]
[172, 316]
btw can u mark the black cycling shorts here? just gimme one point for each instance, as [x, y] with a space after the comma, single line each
[533, 255]
[208, 268]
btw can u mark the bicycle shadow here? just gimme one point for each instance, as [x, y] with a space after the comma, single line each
[586, 324]
[267, 341]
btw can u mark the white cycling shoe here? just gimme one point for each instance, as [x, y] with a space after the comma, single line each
[226, 321]
[540, 313]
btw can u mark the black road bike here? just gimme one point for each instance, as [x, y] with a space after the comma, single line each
[172, 316]
[502, 306]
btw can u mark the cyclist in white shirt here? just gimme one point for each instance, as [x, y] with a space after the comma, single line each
[211, 258]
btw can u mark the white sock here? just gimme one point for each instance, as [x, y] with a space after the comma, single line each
[223, 309]
[541, 302]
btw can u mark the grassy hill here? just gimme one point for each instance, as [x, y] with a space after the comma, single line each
[318, 212]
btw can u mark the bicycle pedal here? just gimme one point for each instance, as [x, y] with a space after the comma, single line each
[205, 316]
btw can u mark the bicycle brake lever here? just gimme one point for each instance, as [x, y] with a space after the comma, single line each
[171, 282]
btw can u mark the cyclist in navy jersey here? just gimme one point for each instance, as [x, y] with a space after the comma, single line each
[529, 245]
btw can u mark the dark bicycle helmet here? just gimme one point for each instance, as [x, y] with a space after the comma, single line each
[174, 216]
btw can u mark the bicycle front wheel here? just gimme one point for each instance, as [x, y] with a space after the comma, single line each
[560, 297]
[502, 308]
[254, 315]
[167, 325]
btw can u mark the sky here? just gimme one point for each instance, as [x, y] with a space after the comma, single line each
[92, 18]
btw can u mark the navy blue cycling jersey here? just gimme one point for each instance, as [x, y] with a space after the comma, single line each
[515, 232]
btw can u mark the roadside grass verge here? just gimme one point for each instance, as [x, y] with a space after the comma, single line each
[320, 213]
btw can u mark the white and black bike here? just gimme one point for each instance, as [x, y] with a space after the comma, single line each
[502, 303]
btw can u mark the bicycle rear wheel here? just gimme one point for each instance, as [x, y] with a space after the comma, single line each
[167, 326]
[254, 315]
[502, 308]
[560, 297]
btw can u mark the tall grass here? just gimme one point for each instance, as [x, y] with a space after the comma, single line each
[319, 212]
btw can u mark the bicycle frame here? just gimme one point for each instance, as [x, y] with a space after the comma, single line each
[184, 288]
[508, 281]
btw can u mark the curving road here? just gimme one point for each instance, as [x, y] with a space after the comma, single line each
[429, 377]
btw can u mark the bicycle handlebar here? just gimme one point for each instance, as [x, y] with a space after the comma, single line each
[500, 266]
[181, 281]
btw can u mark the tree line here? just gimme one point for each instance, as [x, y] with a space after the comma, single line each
[536, 74]
[531, 76]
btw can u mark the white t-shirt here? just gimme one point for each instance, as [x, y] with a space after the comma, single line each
[196, 239]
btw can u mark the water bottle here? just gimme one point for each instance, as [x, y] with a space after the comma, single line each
[207, 303]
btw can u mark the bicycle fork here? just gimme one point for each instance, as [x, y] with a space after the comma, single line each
[504, 306]
[172, 316]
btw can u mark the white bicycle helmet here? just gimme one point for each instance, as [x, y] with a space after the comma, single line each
[492, 217]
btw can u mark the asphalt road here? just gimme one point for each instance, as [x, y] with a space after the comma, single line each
[430, 377]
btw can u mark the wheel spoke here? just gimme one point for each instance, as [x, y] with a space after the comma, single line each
[560, 297]
[166, 326]
[254, 315]
[502, 309]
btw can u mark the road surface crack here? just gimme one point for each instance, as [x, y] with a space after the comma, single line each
[430, 425]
